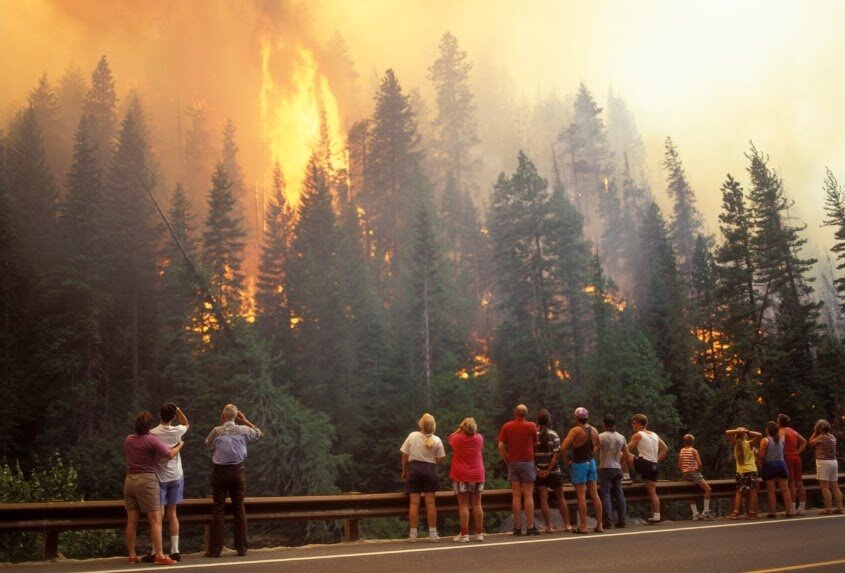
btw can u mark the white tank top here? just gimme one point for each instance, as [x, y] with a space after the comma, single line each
[648, 446]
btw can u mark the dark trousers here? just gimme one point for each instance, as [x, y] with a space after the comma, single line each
[228, 480]
[610, 481]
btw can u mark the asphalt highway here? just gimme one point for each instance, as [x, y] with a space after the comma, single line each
[815, 543]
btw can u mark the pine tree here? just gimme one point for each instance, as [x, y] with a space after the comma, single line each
[223, 245]
[518, 221]
[570, 271]
[784, 278]
[181, 292]
[129, 239]
[392, 172]
[274, 317]
[834, 205]
[686, 223]
[455, 125]
[587, 158]
[76, 302]
[661, 304]
[45, 103]
[32, 193]
[199, 156]
[428, 310]
[100, 107]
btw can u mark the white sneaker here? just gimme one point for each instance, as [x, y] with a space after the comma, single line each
[433, 537]
[799, 512]
[479, 537]
[707, 515]
[461, 538]
[413, 539]
[697, 517]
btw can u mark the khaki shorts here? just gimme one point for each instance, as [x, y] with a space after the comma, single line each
[140, 493]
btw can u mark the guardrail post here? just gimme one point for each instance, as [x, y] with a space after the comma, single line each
[206, 538]
[350, 530]
[50, 550]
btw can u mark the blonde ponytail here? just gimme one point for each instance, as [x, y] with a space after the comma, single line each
[427, 426]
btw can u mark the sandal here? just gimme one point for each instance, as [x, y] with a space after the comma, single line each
[597, 530]
[752, 515]
[734, 515]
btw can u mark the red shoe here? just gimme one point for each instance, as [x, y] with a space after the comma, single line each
[134, 559]
[164, 561]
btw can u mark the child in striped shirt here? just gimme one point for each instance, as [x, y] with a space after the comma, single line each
[689, 462]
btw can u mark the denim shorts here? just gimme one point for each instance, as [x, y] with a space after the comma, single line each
[774, 469]
[172, 492]
[525, 472]
[582, 472]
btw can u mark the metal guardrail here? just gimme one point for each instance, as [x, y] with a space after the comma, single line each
[51, 518]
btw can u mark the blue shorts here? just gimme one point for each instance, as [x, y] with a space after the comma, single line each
[524, 472]
[172, 492]
[774, 469]
[582, 472]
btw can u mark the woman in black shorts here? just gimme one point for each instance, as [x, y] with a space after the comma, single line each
[421, 453]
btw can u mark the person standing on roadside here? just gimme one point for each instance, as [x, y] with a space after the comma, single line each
[549, 476]
[650, 452]
[584, 440]
[140, 488]
[612, 449]
[421, 452]
[794, 445]
[774, 471]
[467, 475]
[228, 476]
[516, 446]
[827, 467]
[170, 476]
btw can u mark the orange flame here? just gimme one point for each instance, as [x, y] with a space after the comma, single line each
[293, 110]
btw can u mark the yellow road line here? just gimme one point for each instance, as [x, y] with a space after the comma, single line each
[799, 567]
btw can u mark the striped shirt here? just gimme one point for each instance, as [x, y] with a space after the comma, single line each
[686, 457]
[542, 456]
[826, 447]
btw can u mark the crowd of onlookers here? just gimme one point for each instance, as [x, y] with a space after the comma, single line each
[534, 455]
[533, 452]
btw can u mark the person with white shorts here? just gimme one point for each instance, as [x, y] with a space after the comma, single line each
[827, 467]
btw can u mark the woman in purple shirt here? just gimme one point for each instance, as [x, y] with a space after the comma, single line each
[140, 489]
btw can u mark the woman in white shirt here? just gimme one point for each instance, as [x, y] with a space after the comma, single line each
[421, 453]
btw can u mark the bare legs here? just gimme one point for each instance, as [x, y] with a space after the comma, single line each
[772, 486]
[522, 499]
[831, 494]
[414, 510]
[470, 503]
[154, 519]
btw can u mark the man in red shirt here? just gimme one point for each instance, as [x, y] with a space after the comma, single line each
[794, 445]
[516, 446]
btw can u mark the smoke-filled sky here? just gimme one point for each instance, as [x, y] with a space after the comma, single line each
[713, 75]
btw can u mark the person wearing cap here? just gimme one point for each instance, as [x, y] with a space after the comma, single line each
[650, 452]
[516, 446]
[584, 440]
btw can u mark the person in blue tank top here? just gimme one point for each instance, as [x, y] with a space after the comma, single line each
[774, 470]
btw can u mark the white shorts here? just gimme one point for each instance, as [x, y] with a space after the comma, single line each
[826, 470]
